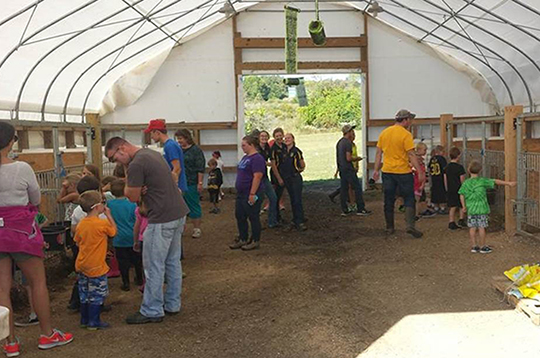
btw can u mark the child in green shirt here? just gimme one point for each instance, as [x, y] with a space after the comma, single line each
[474, 201]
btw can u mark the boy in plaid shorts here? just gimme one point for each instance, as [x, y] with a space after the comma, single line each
[474, 201]
[92, 237]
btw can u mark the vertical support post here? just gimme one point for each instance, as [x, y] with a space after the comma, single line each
[24, 140]
[123, 133]
[520, 173]
[143, 140]
[446, 131]
[70, 139]
[97, 150]
[464, 156]
[48, 140]
[88, 144]
[510, 164]
[56, 159]
[431, 141]
[366, 115]
[483, 149]
[238, 88]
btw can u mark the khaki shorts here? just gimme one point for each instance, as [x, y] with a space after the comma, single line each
[16, 256]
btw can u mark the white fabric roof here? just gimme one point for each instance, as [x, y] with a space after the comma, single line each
[61, 56]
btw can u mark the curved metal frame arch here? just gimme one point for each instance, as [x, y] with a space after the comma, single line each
[20, 12]
[61, 18]
[82, 53]
[21, 90]
[66, 103]
[510, 96]
[137, 53]
[510, 64]
[494, 35]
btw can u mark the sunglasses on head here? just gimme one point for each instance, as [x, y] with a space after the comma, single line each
[103, 202]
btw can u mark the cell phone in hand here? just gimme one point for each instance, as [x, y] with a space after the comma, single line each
[256, 198]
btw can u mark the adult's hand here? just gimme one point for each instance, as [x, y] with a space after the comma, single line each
[137, 246]
[252, 199]
[376, 175]
[281, 182]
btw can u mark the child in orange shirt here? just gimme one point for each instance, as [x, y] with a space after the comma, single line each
[92, 238]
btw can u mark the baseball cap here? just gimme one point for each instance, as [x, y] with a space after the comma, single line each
[347, 128]
[404, 114]
[156, 124]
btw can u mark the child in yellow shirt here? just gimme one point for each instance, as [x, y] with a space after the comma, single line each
[92, 238]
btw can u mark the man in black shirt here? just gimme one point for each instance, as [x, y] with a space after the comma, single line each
[347, 173]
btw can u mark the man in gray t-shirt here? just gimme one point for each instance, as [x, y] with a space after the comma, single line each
[149, 180]
[347, 173]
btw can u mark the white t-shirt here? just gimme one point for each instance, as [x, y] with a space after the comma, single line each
[78, 215]
[18, 185]
[219, 164]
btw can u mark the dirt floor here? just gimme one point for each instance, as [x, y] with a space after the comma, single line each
[328, 292]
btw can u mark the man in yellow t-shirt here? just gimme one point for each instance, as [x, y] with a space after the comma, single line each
[397, 145]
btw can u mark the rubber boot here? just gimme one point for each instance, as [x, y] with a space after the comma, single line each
[389, 218]
[410, 219]
[94, 320]
[84, 314]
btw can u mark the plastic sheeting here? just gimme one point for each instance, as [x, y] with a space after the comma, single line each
[60, 56]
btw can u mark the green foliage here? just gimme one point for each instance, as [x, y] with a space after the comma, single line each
[331, 103]
[264, 88]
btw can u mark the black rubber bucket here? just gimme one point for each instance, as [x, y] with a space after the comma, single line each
[55, 235]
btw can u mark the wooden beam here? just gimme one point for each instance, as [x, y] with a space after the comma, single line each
[303, 42]
[173, 126]
[443, 120]
[510, 165]
[197, 136]
[279, 66]
[385, 122]
[212, 147]
[24, 139]
[47, 139]
[70, 139]
[97, 150]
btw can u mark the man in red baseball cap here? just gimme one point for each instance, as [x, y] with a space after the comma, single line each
[156, 125]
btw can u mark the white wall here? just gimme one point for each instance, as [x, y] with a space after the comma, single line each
[194, 84]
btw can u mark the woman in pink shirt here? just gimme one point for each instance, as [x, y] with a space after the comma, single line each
[21, 242]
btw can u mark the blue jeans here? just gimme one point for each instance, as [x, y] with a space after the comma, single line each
[272, 199]
[350, 179]
[391, 182]
[245, 212]
[161, 261]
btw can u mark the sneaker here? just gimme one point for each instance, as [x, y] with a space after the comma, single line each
[453, 226]
[301, 227]
[442, 211]
[253, 245]
[401, 209]
[237, 244]
[138, 318]
[12, 349]
[346, 213]
[364, 212]
[486, 250]
[475, 249]
[462, 223]
[390, 231]
[416, 218]
[427, 214]
[196, 233]
[30, 320]
[415, 233]
[58, 338]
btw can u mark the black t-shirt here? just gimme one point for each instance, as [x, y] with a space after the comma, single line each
[277, 151]
[453, 172]
[290, 165]
[215, 179]
[266, 153]
[343, 146]
[436, 168]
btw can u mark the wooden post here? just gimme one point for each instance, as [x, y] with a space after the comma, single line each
[97, 150]
[70, 139]
[510, 165]
[444, 120]
[24, 140]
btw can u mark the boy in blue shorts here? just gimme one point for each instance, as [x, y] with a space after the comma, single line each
[474, 201]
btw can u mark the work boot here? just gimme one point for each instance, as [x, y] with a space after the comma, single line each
[253, 245]
[237, 244]
[410, 219]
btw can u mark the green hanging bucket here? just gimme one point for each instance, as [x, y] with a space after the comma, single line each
[316, 31]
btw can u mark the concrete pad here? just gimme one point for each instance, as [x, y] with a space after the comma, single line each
[491, 334]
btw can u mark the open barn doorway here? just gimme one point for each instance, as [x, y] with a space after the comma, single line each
[313, 107]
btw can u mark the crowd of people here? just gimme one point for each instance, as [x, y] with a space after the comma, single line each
[136, 217]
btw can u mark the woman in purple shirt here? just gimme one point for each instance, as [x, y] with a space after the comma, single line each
[21, 242]
[248, 195]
